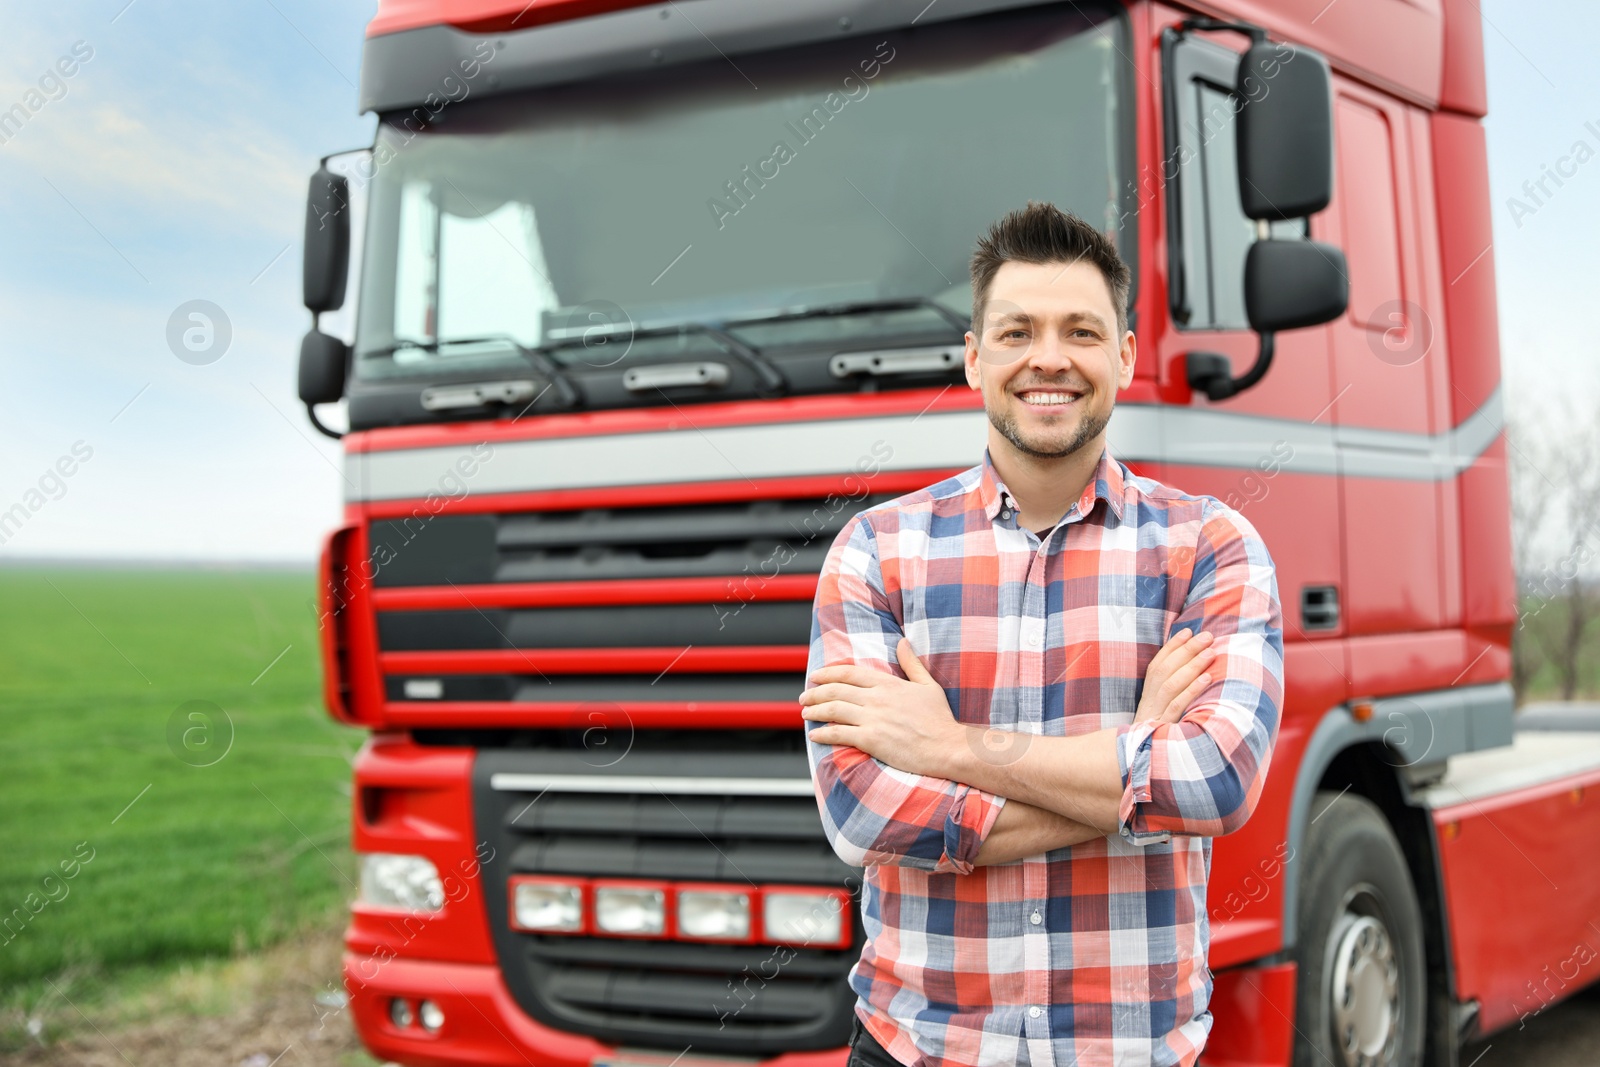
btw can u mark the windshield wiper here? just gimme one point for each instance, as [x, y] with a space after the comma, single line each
[858, 307]
[772, 379]
[773, 383]
[538, 357]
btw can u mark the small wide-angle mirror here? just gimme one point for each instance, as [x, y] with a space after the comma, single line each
[324, 364]
[1292, 284]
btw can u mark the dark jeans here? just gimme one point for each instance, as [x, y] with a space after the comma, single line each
[865, 1050]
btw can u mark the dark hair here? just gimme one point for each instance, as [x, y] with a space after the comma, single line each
[1043, 233]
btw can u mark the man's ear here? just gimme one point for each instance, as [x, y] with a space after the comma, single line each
[974, 378]
[1126, 358]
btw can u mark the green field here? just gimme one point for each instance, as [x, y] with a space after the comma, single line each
[187, 859]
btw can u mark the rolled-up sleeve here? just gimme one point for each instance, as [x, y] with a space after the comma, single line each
[1204, 774]
[872, 812]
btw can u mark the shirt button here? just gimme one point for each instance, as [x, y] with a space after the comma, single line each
[1035, 639]
[1035, 1011]
[1036, 918]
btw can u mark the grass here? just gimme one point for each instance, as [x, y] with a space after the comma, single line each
[1544, 623]
[211, 842]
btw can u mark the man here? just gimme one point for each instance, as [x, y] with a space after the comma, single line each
[1035, 825]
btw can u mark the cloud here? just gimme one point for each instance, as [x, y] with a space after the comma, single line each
[247, 175]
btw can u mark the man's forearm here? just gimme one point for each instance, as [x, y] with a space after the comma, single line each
[1022, 830]
[873, 818]
[1077, 778]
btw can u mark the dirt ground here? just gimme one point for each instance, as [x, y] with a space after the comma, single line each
[280, 1008]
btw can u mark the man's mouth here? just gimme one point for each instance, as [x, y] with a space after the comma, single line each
[1044, 399]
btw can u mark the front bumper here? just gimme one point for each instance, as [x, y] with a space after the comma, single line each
[483, 1026]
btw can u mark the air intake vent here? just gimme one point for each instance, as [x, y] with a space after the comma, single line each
[616, 820]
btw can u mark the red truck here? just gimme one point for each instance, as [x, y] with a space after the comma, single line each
[652, 298]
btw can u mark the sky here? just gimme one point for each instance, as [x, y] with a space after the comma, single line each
[1544, 99]
[171, 166]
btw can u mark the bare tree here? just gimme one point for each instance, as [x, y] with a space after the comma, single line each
[1555, 509]
[1532, 493]
[1581, 465]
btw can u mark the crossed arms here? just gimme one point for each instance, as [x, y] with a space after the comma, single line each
[901, 781]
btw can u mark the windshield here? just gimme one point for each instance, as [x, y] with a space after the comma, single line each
[855, 172]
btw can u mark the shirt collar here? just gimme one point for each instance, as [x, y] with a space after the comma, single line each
[1106, 483]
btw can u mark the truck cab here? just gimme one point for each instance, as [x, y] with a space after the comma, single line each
[640, 303]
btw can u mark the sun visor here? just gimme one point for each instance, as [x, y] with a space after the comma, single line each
[432, 65]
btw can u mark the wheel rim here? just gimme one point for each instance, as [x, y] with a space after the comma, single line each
[1364, 983]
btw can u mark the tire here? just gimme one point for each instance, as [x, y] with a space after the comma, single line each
[1360, 1000]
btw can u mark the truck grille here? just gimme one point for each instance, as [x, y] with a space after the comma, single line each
[684, 612]
[635, 643]
[733, 539]
[738, 999]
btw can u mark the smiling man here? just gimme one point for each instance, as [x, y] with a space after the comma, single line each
[1009, 727]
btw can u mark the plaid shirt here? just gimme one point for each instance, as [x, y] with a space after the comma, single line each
[1089, 955]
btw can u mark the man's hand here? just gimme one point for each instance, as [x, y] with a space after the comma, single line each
[1174, 677]
[906, 723]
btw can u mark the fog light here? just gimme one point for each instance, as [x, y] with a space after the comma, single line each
[713, 914]
[803, 918]
[400, 1013]
[544, 905]
[627, 910]
[431, 1014]
[409, 882]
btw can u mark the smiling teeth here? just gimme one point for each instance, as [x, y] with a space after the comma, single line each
[1049, 398]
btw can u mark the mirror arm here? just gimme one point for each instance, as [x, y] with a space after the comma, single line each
[1254, 32]
[1211, 373]
[311, 413]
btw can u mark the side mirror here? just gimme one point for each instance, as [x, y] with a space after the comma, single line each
[1284, 140]
[327, 242]
[1292, 284]
[324, 366]
[1287, 285]
[1285, 132]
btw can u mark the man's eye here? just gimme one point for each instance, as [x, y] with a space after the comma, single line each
[1010, 335]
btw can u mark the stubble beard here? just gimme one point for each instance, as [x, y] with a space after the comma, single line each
[1089, 427]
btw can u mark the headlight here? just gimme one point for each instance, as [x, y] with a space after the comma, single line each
[640, 911]
[802, 918]
[714, 914]
[409, 882]
[546, 905]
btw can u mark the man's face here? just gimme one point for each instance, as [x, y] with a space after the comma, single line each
[1050, 360]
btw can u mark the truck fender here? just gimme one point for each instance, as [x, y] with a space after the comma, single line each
[1417, 730]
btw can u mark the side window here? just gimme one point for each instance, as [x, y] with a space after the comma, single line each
[1208, 233]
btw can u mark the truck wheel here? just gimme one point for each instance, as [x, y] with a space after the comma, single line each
[1362, 977]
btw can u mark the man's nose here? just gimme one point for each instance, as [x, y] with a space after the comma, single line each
[1049, 353]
